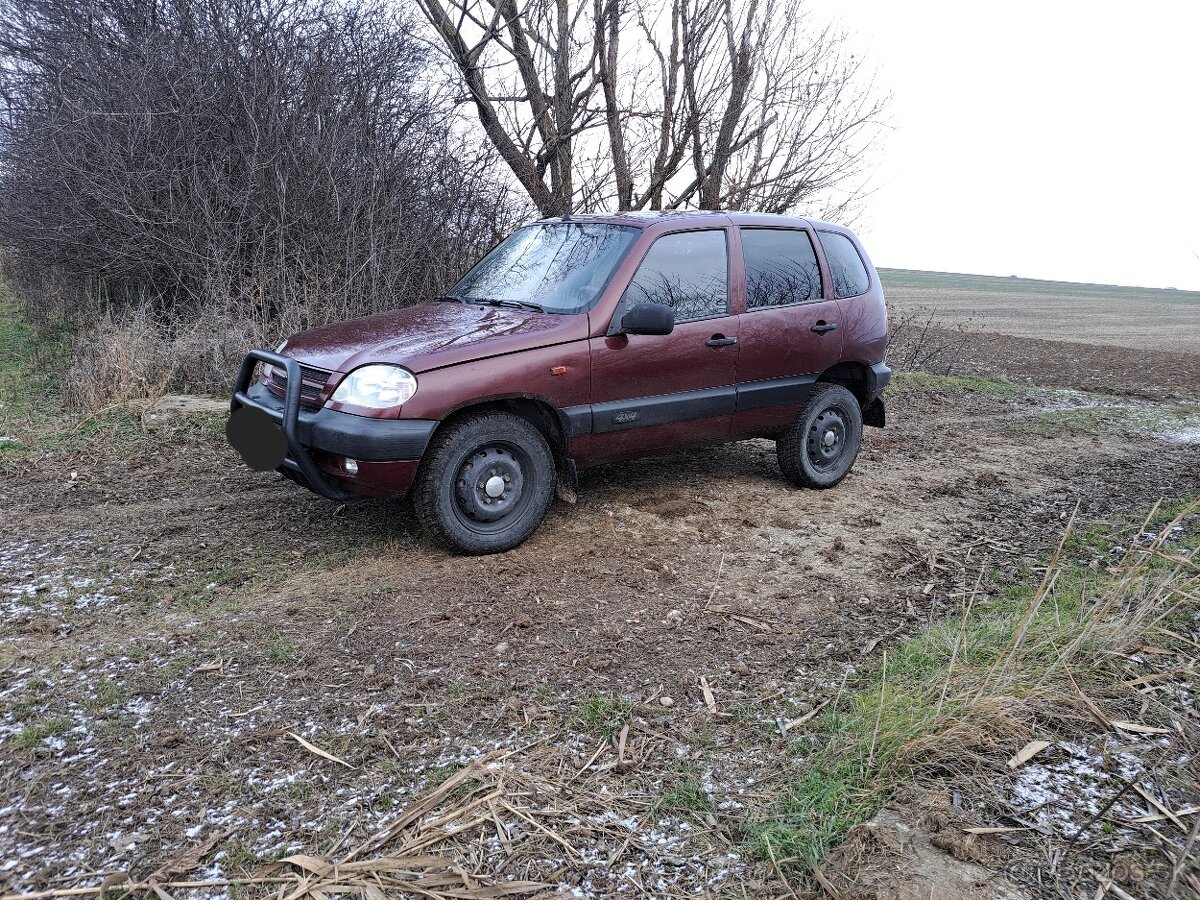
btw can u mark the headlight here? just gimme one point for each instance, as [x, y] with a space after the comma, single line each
[376, 387]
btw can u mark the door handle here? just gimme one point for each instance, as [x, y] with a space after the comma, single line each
[822, 326]
[719, 340]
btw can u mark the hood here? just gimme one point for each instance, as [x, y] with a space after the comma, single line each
[432, 335]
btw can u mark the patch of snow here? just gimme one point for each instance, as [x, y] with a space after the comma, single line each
[1066, 790]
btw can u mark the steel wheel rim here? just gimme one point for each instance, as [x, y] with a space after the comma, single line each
[827, 437]
[490, 489]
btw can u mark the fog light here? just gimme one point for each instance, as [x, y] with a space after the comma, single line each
[350, 466]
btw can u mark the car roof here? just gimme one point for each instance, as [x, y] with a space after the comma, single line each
[646, 218]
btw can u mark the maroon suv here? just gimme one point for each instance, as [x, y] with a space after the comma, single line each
[580, 341]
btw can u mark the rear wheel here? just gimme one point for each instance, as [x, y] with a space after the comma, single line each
[485, 483]
[819, 447]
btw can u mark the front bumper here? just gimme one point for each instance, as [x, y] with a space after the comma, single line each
[387, 449]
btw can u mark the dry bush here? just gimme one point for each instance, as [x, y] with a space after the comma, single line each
[209, 174]
[46, 294]
[919, 341]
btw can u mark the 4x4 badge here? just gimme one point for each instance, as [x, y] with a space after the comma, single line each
[627, 416]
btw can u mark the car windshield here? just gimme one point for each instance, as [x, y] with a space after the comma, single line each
[559, 267]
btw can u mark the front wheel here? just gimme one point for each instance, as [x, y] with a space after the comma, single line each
[819, 447]
[485, 483]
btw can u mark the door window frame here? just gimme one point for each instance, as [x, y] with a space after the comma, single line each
[614, 323]
[817, 257]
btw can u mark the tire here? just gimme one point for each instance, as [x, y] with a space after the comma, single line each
[484, 484]
[818, 449]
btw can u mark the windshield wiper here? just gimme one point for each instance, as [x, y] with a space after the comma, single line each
[514, 304]
[446, 298]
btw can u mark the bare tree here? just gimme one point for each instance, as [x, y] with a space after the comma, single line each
[659, 104]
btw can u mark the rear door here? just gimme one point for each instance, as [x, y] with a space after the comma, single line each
[790, 331]
[653, 392]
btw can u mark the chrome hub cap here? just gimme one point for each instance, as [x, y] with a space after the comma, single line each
[494, 486]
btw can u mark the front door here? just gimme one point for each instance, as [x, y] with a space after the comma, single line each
[653, 392]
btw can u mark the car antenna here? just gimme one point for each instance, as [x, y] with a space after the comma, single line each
[566, 216]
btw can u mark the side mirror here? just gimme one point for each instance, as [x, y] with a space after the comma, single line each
[649, 318]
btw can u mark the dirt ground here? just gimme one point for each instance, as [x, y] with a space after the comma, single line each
[1106, 315]
[197, 656]
[1151, 374]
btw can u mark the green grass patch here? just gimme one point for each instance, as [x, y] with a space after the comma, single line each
[685, 795]
[280, 648]
[108, 694]
[29, 362]
[387, 801]
[963, 283]
[238, 857]
[604, 716]
[301, 791]
[1116, 420]
[439, 775]
[21, 708]
[917, 382]
[222, 784]
[119, 432]
[32, 735]
[972, 681]
[34, 419]
[1107, 543]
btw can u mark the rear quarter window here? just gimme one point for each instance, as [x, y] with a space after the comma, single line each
[846, 267]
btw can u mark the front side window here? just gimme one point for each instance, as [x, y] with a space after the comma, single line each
[845, 265]
[781, 267]
[688, 272]
[559, 267]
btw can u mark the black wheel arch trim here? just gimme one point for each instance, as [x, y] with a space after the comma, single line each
[881, 376]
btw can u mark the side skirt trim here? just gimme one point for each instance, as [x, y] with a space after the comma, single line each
[667, 409]
[788, 391]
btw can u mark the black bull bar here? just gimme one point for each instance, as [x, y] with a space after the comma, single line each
[297, 462]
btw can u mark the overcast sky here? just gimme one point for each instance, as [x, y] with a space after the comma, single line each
[1045, 139]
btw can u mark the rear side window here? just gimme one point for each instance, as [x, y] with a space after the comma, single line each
[781, 267]
[845, 265]
[688, 272]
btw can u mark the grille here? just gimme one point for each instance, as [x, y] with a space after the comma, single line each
[312, 382]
